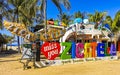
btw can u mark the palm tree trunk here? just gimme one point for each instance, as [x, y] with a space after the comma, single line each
[6, 47]
[18, 38]
[2, 47]
[45, 18]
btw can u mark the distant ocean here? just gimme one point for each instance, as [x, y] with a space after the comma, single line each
[12, 44]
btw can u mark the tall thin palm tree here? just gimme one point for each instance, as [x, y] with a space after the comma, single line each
[57, 3]
[23, 11]
[16, 14]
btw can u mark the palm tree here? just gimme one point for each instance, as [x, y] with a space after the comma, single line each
[2, 42]
[97, 18]
[108, 20]
[16, 14]
[116, 25]
[57, 3]
[116, 22]
[4, 8]
[9, 39]
[4, 13]
[78, 15]
[23, 11]
[65, 18]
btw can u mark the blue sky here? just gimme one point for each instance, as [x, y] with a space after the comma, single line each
[89, 6]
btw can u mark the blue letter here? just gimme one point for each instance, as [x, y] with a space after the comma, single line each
[73, 49]
[101, 50]
[113, 50]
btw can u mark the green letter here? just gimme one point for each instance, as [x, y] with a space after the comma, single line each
[106, 50]
[64, 54]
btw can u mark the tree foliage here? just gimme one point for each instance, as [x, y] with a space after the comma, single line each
[116, 22]
[97, 18]
[8, 38]
[78, 14]
[4, 11]
[65, 18]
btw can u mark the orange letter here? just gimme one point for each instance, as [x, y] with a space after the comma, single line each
[93, 46]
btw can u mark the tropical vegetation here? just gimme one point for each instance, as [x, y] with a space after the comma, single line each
[97, 18]
[30, 12]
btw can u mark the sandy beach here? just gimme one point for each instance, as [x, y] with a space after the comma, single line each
[59, 37]
[9, 65]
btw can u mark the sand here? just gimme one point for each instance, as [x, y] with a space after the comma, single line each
[10, 65]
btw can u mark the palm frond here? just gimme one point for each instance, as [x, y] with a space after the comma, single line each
[57, 4]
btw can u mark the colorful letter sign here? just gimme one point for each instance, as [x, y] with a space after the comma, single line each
[101, 50]
[51, 50]
[113, 50]
[64, 54]
[77, 50]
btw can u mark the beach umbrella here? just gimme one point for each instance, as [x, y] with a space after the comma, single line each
[85, 21]
[78, 20]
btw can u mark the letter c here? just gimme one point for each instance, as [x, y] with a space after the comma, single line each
[79, 49]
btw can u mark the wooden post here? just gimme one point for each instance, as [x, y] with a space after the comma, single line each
[118, 47]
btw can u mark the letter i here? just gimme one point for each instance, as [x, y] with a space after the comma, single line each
[73, 49]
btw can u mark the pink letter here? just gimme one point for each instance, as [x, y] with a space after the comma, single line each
[79, 50]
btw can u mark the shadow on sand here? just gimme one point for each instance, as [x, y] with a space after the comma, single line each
[9, 52]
